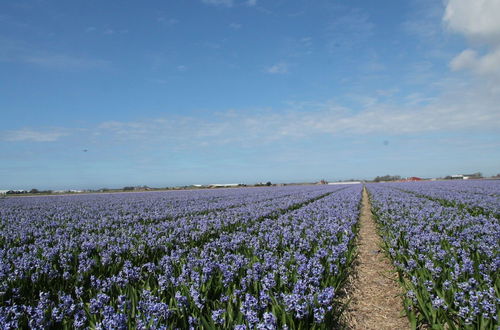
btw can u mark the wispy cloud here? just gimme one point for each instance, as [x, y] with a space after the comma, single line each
[105, 31]
[469, 108]
[18, 51]
[211, 44]
[167, 21]
[278, 68]
[230, 3]
[425, 22]
[348, 30]
[464, 109]
[32, 135]
[298, 47]
[253, 127]
[235, 26]
[224, 3]
[63, 61]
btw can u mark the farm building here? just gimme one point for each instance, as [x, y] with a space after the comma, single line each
[466, 176]
[224, 185]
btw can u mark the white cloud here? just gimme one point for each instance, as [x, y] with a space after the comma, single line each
[225, 3]
[488, 64]
[31, 135]
[251, 3]
[278, 68]
[478, 20]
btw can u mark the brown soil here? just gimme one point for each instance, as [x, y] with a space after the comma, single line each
[375, 294]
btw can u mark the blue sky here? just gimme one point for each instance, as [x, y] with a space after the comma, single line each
[206, 91]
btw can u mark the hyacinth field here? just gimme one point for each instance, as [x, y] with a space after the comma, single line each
[232, 258]
[245, 258]
[444, 240]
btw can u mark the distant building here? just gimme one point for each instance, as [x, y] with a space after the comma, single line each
[217, 185]
[3, 192]
[473, 176]
[345, 182]
[466, 176]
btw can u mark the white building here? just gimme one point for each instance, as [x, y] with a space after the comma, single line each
[224, 185]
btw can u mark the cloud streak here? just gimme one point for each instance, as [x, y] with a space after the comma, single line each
[278, 68]
[18, 51]
[349, 30]
[465, 109]
[229, 3]
[224, 3]
[33, 135]
[63, 61]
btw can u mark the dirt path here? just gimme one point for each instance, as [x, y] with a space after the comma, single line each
[376, 301]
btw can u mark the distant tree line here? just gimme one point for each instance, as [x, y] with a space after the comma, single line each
[32, 191]
[130, 188]
[268, 183]
[387, 178]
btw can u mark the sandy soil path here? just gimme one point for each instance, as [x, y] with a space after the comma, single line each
[376, 302]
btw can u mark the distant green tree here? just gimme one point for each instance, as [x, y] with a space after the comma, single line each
[387, 178]
[268, 183]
